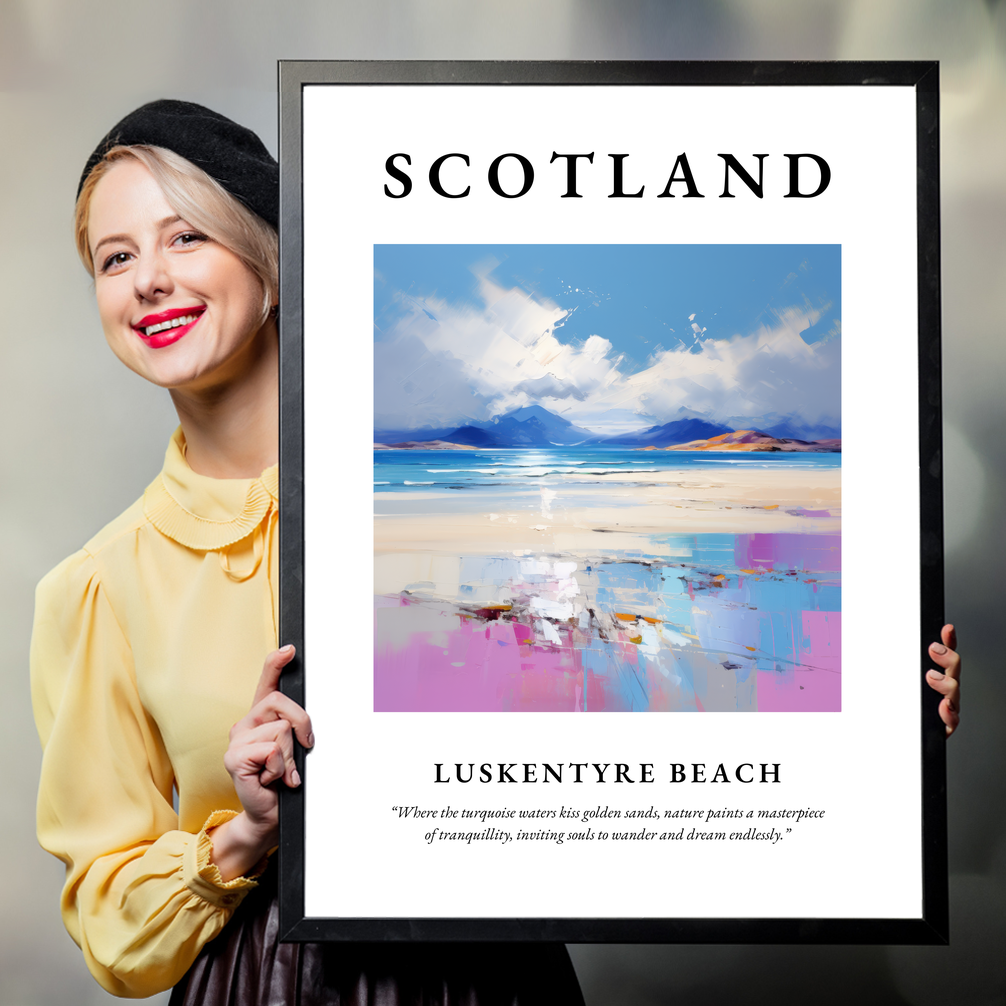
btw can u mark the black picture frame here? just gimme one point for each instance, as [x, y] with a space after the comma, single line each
[931, 927]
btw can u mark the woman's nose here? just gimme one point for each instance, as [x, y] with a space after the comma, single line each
[152, 277]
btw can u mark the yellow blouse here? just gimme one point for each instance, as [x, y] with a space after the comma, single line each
[147, 647]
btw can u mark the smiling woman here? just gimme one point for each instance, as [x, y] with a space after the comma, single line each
[149, 643]
[158, 279]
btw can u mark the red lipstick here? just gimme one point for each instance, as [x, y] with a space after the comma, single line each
[166, 327]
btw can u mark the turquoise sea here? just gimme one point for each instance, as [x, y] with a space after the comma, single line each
[521, 468]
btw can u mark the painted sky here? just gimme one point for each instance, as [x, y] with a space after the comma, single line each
[613, 337]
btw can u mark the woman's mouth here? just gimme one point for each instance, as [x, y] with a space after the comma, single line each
[158, 330]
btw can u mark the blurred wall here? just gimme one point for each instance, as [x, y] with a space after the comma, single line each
[82, 437]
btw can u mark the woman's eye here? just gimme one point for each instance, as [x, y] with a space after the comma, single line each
[114, 261]
[190, 238]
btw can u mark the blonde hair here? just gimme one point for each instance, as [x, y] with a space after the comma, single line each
[199, 200]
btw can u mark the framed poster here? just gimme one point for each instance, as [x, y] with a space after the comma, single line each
[611, 501]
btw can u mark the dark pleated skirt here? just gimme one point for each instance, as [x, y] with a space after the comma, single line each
[246, 965]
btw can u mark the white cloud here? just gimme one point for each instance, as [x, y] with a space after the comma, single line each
[441, 363]
[444, 363]
[772, 370]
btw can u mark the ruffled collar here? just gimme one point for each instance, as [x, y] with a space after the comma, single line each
[203, 513]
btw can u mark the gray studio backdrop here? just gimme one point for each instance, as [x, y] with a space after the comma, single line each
[82, 437]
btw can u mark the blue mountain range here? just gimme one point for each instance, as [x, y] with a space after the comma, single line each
[534, 426]
[678, 432]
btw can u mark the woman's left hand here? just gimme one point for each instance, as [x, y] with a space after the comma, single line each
[948, 681]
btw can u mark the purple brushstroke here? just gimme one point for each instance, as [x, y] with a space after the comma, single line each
[757, 636]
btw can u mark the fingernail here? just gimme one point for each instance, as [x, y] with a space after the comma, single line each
[936, 675]
[310, 740]
[287, 649]
[295, 777]
[938, 648]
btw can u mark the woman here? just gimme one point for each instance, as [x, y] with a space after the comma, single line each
[148, 643]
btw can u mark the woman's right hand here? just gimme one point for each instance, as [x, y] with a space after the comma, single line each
[260, 753]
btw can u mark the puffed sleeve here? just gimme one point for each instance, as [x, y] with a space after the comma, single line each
[141, 898]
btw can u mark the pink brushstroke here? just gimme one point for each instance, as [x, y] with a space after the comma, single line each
[484, 668]
[815, 683]
[820, 552]
[469, 665]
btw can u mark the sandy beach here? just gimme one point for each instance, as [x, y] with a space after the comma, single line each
[617, 512]
[708, 588]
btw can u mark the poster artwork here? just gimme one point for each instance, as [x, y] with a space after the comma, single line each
[586, 366]
[607, 477]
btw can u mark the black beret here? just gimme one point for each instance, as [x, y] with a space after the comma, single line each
[230, 154]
